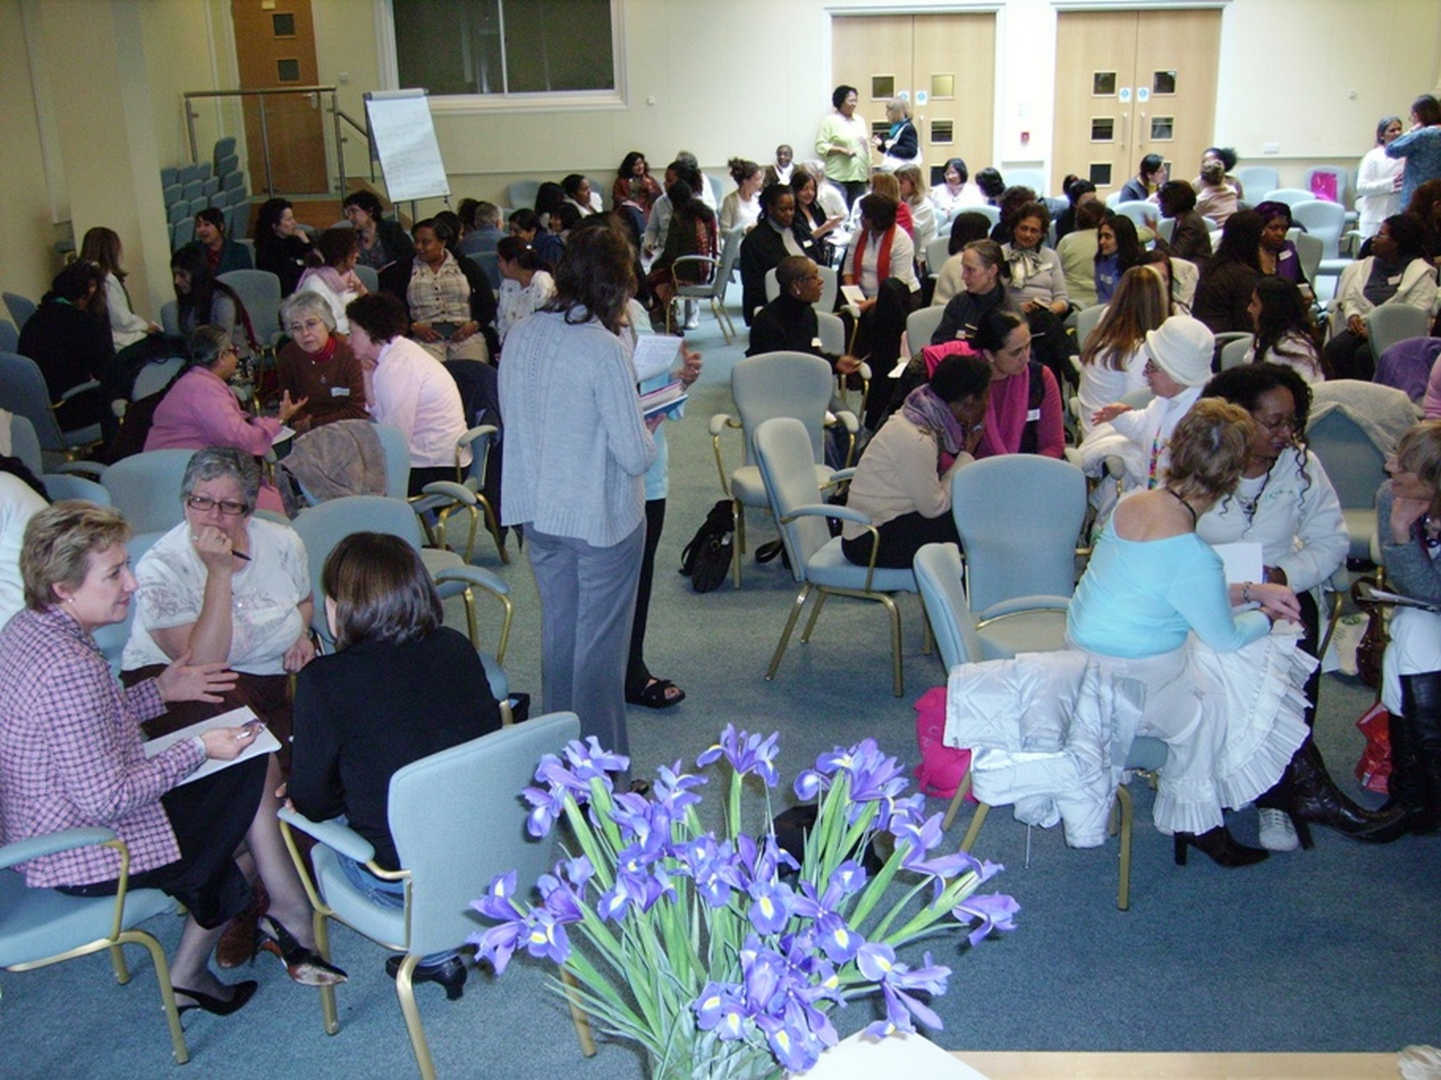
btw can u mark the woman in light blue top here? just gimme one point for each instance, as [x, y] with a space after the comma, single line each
[1226, 703]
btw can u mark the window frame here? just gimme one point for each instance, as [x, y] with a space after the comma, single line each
[533, 101]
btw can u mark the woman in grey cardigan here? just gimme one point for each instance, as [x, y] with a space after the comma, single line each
[576, 452]
[1408, 522]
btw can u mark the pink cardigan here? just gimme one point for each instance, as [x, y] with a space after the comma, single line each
[1006, 412]
[199, 412]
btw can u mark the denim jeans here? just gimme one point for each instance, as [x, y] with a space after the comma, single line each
[382, 893]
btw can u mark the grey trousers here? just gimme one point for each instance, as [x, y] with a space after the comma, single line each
[587, 602]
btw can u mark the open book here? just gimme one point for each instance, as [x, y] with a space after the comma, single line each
[265, 743]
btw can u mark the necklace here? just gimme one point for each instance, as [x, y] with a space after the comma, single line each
[1189, 508]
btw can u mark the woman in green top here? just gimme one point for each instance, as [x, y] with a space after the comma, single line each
[1154, 610]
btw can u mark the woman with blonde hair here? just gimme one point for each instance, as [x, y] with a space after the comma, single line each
[1113, 357]
[899, 146]
[1154, 611]
[912, 188]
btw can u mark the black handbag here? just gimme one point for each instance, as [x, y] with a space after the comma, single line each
[706, 560]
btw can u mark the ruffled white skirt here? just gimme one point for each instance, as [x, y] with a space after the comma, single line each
[1231, 722]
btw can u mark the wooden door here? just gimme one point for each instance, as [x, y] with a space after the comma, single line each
[1132, 83]
[943, 64]
[873, 54]
[275, 47]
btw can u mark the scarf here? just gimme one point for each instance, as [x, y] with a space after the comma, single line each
[928, 412]
[326, 353]
[1006, 413]
[1024, 265]
[883, 260]
[328, 274]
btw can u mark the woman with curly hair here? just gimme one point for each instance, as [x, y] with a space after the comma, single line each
[1284, 502]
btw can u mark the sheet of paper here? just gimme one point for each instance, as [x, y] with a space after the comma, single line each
[265, 743]
[853, 294]
[663, 400]
[655, 354]
[1241, 560]
[285, 432]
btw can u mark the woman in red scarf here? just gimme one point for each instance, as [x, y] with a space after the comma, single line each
[316, 366]
[1023, 414]
[882, 262]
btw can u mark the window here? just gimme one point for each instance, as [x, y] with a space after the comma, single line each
[1162, 128]
[943, 131]
[881, 128]
[943, 86]
[1100, 173]
[883, 87]
[1164, 82]
[505, 47]
[1103, 84]
[1103, 129]
[283, 25]
[287, 71]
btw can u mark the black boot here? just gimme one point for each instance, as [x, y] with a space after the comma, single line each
[1316, 798]
[1220, 845]
[1415, 783]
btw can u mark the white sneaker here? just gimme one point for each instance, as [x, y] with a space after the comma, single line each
[1277, 832]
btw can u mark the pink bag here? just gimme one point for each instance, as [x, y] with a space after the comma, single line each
[1323, 186]
[941, 767]
[932, 355]
[1374, 768]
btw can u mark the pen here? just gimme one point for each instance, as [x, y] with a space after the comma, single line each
[241, 555]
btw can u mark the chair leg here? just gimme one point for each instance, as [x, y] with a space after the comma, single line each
[928, 639]
[738, 547]
[815, 614]
[897, 686]
[167, 991]
[470, 624]
[800, 602]
[1336, 600]
[1123, 889]
[577, 1015]
[405, 991]
[962, 790]
[493, 527]
[982, 809]
[117, 961]
[329, 1015]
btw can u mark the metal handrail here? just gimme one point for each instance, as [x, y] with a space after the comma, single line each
[336, 115]
[364, 129]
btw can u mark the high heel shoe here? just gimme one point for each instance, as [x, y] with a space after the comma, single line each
[303, 965]
[219, 1006]
[448, 973]
[1220, 845]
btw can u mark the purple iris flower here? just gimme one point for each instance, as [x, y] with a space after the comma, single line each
[770, 908]
[721, 1009]
[747, 753]
[713, 867]
[921, 838]
[878, 963]
[996, 911]
[589, 760]
[790, 1042]
[547, 805]
[810, 784]
[559, 896]
[673, 788]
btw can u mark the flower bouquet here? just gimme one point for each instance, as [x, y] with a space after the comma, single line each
[722, 956]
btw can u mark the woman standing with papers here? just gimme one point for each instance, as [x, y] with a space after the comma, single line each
[71, 757]
[576, 450]
[1285, 503]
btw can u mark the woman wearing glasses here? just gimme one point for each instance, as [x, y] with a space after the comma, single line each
[1284, 502]
[199, 410]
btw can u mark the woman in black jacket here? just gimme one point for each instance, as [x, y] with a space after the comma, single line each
[280, 245]
[983, 270]
[68, 337]
[779, 232]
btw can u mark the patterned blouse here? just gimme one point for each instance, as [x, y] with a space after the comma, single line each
[439, 295]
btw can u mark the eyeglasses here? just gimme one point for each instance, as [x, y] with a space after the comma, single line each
[204, 504]
[1281, 423]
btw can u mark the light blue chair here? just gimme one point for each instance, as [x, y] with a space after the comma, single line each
[23, 391]
[443, 497]
[989, 212]
[1386, 324]
[324, 525]
[921, 325]
[1256, 179]
[259, 291]
[961, 640]
[437, 807]
[397, 460]
[154, 376]
[182, 232]
[489, 263]
[1087, 319]
[170, 317]
[714, 289]
[21, 308]
[772, 384]
[522, 192]
[1233, 353]
[1343, 182]
[146, 488]
[787, 466]
[1290, 196]
[1323, 220]
[1143, 213]
[368, 277]
[39, 927]
[9, 336]
[63, 484]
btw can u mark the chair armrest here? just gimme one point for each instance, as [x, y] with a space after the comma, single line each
[842, 475]
[708, 260]
[841, 513]
[93, 469]
[332, 834]
[864, 371]
[36, 847]
[846, 419]
[474, 575]
[1016, 604]
[477, 431]
[79, 388]
[720, 421]
[450, 489]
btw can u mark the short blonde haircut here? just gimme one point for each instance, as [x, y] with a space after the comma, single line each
[913, 174]
[898, 109]
[59, 541]
[1209, 449]
[1419, 452]
[884, 183]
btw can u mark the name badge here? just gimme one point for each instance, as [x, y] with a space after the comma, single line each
[340, 391]
[1394, 279]
[1034, 414]
[815, 343]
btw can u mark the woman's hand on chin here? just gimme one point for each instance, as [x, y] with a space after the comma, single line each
[184, 681]
[214, 546]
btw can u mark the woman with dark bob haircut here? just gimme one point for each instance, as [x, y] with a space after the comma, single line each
[399, 687]
[576, 453]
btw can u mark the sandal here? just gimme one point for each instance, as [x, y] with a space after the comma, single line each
[655, 695]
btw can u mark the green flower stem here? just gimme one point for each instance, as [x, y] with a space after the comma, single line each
[959, 888]
[601, 800]
[876, 889]
[880, 931]
[733, 805]
[586, 839]
[617, 1011]
[854, 836]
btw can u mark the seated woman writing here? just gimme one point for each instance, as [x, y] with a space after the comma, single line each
[399, 687]
[1154, 609]
[903, 481]
[72, 756]
[226, 587]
